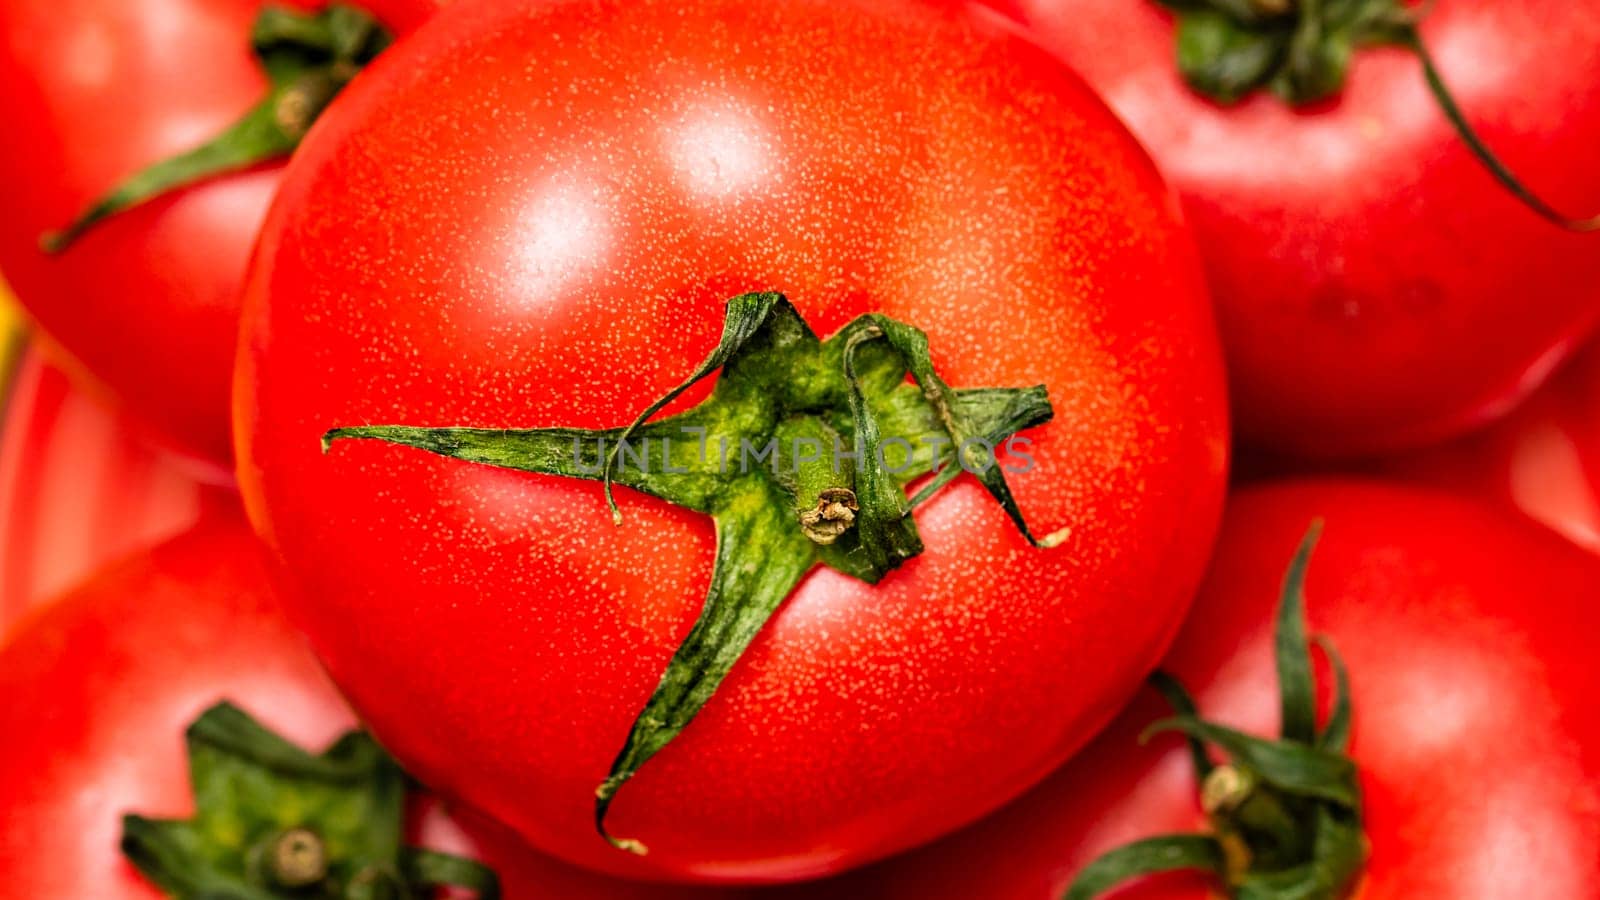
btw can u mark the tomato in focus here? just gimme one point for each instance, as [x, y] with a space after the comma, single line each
[532, 214]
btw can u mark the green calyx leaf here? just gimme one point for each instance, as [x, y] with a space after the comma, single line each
[1171, 853]
[1225, 60]
[1298, 49]
[1286, 812]
[1301, 51]
[273, 821]
[308, 58]
[802, 455]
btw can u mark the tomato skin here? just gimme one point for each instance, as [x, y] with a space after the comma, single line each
[78, 489]
[1371, 279]
[100, 686]
[1469, 639]
[145, 305]
[1543, 459]
[499, 633]
[525, 875]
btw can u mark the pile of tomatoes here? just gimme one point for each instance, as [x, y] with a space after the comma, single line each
[667, 449]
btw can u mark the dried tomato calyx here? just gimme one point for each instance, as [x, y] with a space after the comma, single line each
[1301, 50]
[1285, 814]
[802, 455]
[308, 58]
[273, 821]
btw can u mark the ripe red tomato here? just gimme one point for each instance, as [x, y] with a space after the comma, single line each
[1543, 459]
[146, 302]
[1372, 280]
[532, 214]
[100, 686]
[1469, 642]
[78, 489]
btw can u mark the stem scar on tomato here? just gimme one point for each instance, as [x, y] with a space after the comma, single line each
[273, 821]
[1301, 51]
[1285, 814]
[307, 58]
[843, 505]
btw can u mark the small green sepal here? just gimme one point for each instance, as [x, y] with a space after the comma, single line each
[1286, 813]
[273, 822]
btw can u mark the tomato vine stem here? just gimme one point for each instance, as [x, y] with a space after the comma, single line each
[1501, 172]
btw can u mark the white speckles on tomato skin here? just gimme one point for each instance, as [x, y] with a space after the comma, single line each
[495, 628]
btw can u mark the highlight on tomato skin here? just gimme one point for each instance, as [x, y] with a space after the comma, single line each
[473, 243]
[142, 305]
[1377, 288]
[1468, 639]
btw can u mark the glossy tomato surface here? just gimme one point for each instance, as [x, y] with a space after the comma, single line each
[1543, 459]
[1375, 287]
[1470, 642]
[100, 686]
[79, 487]
[531, 214]
[146, 303]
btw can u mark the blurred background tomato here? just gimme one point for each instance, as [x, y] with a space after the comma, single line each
[1543, 460]
[78, 486]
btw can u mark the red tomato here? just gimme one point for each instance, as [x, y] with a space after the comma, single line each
[1373, 281]
[77, 489]
[101, 684]
[531, 214]
[1543, 459]
[100, 687]
[1470, 642]
[146, 302]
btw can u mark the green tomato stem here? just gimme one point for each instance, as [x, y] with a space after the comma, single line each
[308, 59]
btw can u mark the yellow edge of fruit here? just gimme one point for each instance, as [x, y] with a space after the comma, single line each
[13, 339]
